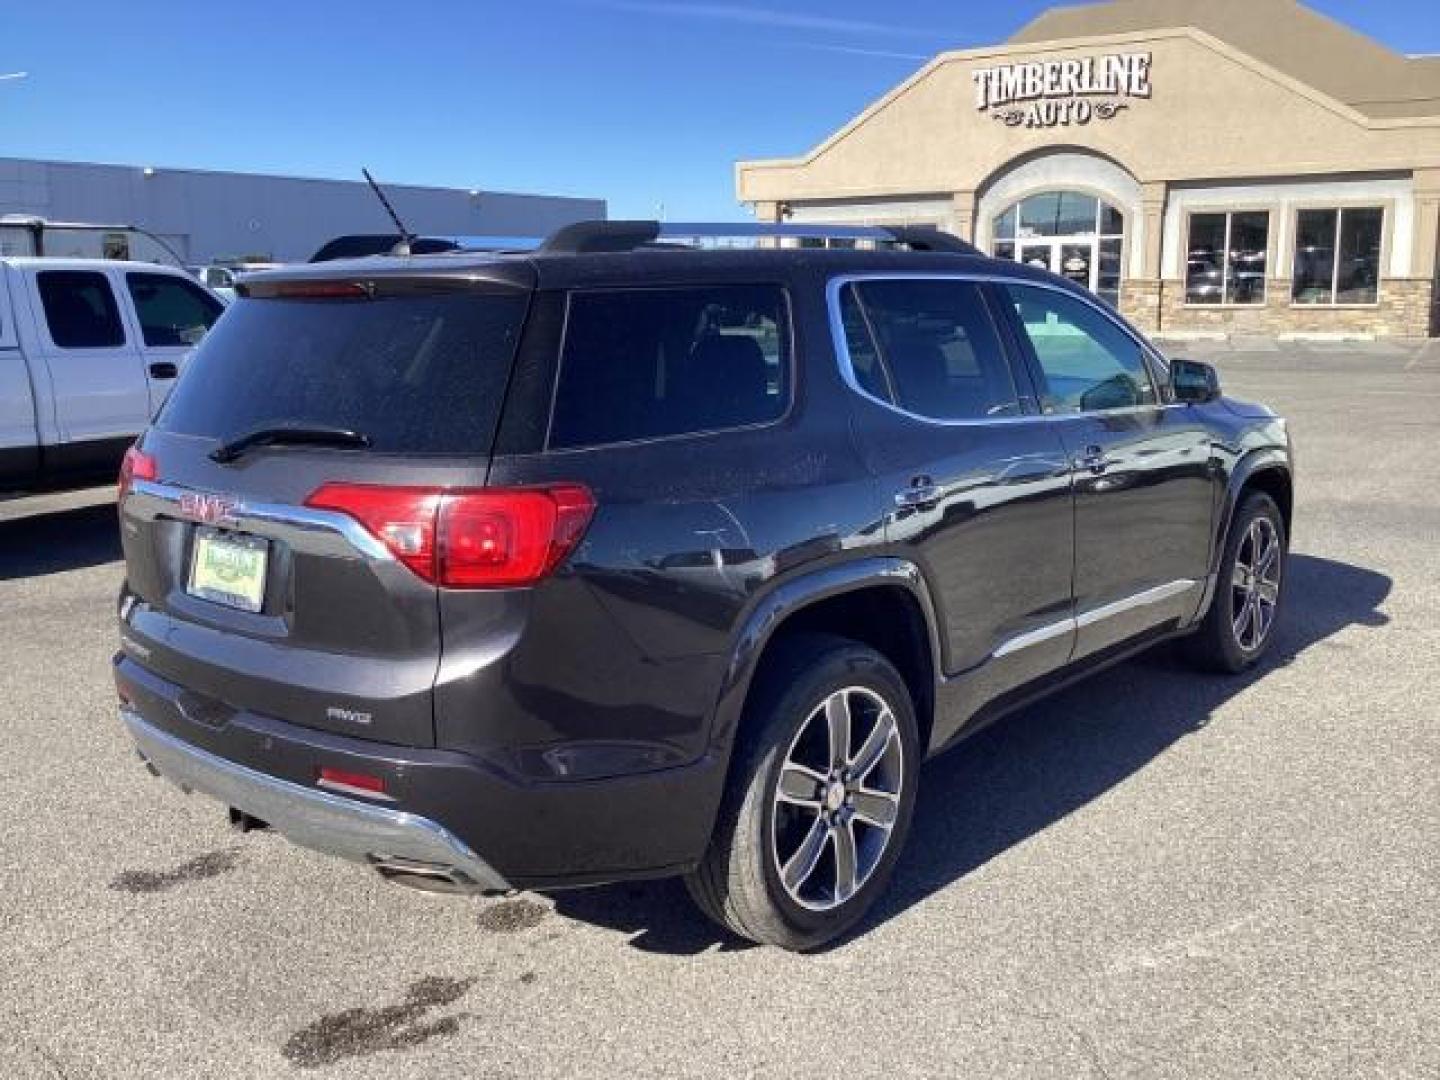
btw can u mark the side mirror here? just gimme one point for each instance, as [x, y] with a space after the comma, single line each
[1194, 382]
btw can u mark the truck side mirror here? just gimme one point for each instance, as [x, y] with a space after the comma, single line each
[1194, 382]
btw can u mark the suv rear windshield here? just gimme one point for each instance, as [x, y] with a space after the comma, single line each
[415, 374]
[649, 363]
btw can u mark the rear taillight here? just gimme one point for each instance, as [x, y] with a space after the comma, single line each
[136, 465]
[491, 538]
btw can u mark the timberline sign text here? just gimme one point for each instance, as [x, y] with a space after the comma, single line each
[1052, 93]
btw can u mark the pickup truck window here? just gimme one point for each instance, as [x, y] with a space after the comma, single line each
[172, 311]
[80, 309]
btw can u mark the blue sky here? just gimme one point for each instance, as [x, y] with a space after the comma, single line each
[641, 102]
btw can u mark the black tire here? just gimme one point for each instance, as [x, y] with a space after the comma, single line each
[739, 883]
[1219, 645]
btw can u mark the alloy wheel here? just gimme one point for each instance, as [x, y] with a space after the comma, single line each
[1255, 584]
[837, 798]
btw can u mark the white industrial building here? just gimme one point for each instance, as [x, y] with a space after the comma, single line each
[209, 216]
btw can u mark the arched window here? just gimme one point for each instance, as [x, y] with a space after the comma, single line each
[1069, 232]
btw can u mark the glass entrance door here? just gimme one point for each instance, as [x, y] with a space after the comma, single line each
[1070, 233]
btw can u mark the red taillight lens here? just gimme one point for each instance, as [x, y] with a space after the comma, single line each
[492, 538]
[136, 465]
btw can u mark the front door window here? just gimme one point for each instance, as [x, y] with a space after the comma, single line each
[1068, 232]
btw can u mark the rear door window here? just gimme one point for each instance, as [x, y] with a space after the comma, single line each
[651, 363]
[414, 373]
[171, 311]
[80, 309]
[928, 347]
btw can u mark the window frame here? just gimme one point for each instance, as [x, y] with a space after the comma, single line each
[1019, 353]
[110, 283]
[1271, 250]
[787, 328]
[1386, 208]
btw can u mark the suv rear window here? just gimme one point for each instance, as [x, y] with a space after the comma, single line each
[650, 363]
[416, 374]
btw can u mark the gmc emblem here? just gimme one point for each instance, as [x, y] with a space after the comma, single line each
[210, 509]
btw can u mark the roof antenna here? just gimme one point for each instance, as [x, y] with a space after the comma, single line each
[406, 236]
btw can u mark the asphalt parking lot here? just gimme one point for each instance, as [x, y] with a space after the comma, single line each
[1157, 874]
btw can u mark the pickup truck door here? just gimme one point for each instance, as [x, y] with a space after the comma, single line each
[19, 456]
[99, 389]
[168, 315]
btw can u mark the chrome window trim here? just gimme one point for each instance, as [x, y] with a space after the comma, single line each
[301, 518]
[847, 367]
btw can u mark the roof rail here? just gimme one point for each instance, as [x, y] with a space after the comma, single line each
[594, 237]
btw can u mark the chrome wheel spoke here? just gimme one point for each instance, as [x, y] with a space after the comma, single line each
[800, 786]
[875, 746]
[1242, 621]
[837, 719]
[1240, 577]
[797, 870]
[877, 808]
[847, 866]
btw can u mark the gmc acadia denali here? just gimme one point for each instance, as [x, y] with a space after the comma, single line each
[629, 557]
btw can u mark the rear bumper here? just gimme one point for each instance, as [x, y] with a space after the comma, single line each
[499, 830]
[351, 829]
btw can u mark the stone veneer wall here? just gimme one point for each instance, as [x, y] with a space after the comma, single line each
[1407, 308]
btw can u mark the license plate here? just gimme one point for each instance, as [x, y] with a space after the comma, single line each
[229, 569]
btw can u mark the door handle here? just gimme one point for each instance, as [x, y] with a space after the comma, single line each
[164, 369]
[1094, 460]
[922, 492]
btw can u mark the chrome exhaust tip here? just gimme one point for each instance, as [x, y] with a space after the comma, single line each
[429, 877]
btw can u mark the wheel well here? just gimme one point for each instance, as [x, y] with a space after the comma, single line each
[889, 620]
[1276, 483]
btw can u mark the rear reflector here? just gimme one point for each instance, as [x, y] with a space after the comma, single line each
[136, 465]
[488, 538]
[351, 781]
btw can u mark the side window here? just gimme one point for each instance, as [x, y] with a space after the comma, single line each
[1089, 363]
[938, 347]
[80, 309]
[649, 363]
[172, 311]
[865, 362]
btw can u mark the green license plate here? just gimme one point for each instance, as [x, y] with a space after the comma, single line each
[229, 569]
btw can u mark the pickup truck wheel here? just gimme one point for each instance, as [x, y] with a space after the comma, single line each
[820, 796]
[1241, 621]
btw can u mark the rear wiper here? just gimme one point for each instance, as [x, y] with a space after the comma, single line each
[316, 435]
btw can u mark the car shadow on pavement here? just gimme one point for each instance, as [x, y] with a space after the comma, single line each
[1033, 768]
[58, 540]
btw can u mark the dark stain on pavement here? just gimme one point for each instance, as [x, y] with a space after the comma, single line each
[362, 1031]
[211, 864]
[512, 916]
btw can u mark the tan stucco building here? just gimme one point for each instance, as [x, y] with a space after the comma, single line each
[1232, 166]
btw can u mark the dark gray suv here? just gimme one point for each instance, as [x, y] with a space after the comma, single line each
[627, 557]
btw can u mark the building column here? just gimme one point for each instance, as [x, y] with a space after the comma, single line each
[1141, 294]
[1424, 256]
[962, 213]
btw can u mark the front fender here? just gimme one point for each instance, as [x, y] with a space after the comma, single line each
[1252, 464]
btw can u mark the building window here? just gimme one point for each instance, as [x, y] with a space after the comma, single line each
[1069, 232]
[1337, 255]
[1226, 258]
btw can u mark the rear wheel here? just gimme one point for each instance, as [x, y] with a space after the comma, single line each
[1241, 620]
[820, 796]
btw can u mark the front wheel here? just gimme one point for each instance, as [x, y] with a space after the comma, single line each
[1241, 621]
[820, 796]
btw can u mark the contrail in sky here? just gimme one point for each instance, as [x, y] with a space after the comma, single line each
[14, 75]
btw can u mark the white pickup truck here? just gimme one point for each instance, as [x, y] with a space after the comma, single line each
[88, 351]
